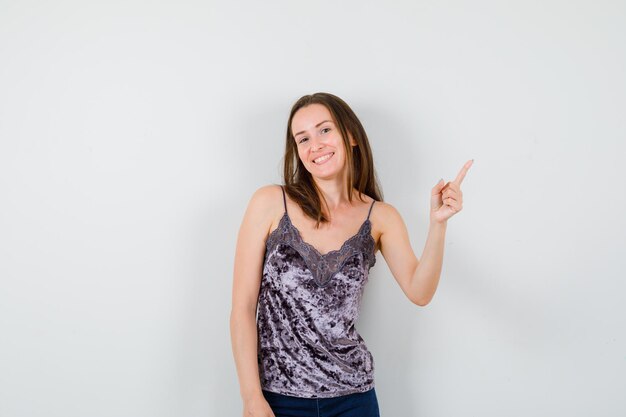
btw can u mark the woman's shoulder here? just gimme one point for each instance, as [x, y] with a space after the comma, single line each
[267, 198]
[381, 206]
[384, 214]
[268, 191]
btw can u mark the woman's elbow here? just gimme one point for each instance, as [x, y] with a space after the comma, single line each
[420, 302]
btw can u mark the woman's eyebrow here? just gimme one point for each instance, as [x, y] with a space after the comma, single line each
[317, 125]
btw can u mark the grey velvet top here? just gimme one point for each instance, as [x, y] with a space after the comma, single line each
[308, 304]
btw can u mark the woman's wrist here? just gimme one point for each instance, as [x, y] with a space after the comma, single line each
[435, 223]
[252, 394]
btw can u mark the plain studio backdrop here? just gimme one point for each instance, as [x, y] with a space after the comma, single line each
[133, 133]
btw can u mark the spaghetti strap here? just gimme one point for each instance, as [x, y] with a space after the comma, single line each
[284, 199]
[368, 214]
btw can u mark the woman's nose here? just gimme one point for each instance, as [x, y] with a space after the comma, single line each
[316, 143]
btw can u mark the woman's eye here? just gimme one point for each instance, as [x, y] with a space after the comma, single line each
[302, 140]
[326, 128]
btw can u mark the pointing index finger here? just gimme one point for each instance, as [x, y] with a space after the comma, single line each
[459, 178]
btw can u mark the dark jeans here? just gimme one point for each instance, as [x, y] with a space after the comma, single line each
[360, 404]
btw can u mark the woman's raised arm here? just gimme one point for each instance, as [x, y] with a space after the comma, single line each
[419, 278]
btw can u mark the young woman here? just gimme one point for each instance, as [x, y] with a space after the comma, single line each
[303, 255]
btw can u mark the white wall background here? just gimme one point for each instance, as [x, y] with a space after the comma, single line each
[132, 134]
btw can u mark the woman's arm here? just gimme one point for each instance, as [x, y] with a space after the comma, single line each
[419, 278]
[425, 280]
[395, 247]
[248, 266]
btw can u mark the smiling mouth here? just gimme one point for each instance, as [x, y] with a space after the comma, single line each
[322, 159]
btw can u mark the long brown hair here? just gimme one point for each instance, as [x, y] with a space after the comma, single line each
[299, 184]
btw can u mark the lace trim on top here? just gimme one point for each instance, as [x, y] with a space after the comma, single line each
[324, 266]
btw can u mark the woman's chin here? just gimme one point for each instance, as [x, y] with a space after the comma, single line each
[326, 175]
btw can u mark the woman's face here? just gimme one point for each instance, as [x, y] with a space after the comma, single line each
[319, 142]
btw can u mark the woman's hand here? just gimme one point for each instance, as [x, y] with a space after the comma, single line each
[447, 199]
[257, 407]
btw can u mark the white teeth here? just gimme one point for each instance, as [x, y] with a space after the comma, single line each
[323, 158]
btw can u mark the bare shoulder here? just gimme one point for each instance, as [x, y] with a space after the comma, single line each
[265, 196]
[264, 205]
[394, 242]
[385, 215]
